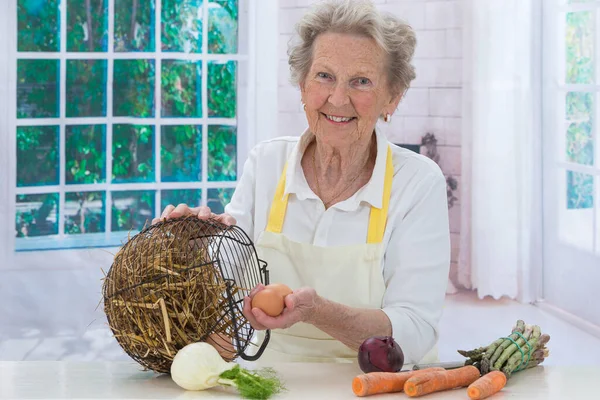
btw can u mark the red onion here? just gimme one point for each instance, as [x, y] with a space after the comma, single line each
[380, 354]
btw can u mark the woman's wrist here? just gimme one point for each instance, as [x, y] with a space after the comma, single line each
[313, 314]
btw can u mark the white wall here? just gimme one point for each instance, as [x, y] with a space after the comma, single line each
[432, 104]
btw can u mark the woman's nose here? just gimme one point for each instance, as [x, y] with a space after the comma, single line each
[339, 96]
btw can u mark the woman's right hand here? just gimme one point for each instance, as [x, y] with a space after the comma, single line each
[202, 212]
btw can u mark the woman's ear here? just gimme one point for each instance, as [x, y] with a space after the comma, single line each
[395, 101]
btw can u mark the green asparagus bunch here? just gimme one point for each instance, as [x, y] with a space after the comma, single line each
[524, 348]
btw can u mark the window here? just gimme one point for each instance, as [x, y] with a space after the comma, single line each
[572, 109]
[122, 107]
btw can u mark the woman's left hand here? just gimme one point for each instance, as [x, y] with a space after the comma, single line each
[300, 306]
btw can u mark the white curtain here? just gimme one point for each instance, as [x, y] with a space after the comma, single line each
[499, 134]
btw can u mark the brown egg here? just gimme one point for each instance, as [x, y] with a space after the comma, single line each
[281, 288]
[223, 344]
[268, 300]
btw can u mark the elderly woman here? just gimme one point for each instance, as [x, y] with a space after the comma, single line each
[357, 226]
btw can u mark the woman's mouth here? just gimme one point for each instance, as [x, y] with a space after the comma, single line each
[338, 120]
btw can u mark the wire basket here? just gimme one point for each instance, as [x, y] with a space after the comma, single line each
[182, 281]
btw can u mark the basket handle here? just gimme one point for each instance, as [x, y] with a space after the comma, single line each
[261, 349]
[263, 268]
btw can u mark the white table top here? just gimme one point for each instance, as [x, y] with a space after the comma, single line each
[125, 380]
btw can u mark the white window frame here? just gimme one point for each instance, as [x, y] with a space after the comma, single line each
[259, 120]
[555, 113]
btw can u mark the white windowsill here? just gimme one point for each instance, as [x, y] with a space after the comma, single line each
[78, 241]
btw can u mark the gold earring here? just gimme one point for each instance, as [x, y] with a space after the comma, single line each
[303, 106]
[387, 117]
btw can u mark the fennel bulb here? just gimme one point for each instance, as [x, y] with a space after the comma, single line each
[198, 366]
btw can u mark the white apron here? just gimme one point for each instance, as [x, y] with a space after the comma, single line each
[350, 275]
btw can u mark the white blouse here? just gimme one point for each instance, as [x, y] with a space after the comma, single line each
[416, 241]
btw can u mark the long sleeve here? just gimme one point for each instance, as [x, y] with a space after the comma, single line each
[418, 261]
[242, 204]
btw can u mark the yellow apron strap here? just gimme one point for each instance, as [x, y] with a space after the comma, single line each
[378, 217]
[279, 206]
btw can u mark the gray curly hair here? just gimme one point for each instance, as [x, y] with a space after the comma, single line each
[361, 17]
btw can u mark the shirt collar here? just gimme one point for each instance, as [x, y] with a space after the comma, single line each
[371, 193]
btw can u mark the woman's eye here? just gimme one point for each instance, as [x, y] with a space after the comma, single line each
[363, 81]
[323, 75]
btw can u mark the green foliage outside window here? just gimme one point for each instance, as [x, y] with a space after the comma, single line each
[580, 190]
[38, 89]
[181, 26]
[134, 25]
[181, 88]
[86, 88]
[133, 153]
[37, 215]
[133, 88]
[222, 89]
[133, 91]
[580, 53]
[222, 161]
[84, 212]
[85, 154]
[87, 25]
[181, 153]
[39, 25]
[223, 26]
[37, 152]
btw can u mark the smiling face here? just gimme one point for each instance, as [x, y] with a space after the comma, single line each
[346, 89]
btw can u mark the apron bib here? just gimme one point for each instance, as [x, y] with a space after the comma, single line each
[350, 275]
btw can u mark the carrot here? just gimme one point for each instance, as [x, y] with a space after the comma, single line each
[384, 382]
[487, 385]
[437, 381]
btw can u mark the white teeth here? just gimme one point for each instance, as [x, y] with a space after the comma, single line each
[338, 119]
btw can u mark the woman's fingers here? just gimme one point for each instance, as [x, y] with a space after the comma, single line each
[165, 214]
[180, 211]
[202, 212]
[247, 311]
[226, 219]
[256, 289]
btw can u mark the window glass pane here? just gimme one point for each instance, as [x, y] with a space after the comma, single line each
[597, 220]
[85, 154]
[181, 153]
[191, 197]
[132, 210]
[134, 25]
[580, 190]
[222, 98]
[86, 88]
[37, 88]
[181, 28]
[87, 25]
[576, 217]
[222, 153]
[37, 215]
[580, 47]
[38, 25]
[85, 212]
[218, 199]
[223, 26]
[580, 111]
[37, 155]
[133, 88]
[181, 88]
[133, 153]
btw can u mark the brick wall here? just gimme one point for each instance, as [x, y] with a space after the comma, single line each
[432, 104]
